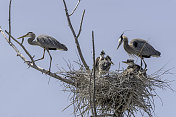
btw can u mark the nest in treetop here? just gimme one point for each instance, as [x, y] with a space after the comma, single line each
[117, 93]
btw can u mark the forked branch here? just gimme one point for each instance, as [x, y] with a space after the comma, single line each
[76, 36]
[22, 47]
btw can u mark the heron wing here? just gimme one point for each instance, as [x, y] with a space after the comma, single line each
[104, 65]
[49, 42]
[143, 48]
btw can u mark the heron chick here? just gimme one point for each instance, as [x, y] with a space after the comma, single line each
[102, 63]
[138, 47]
[132, 67]
[131, 64]
[46, 42]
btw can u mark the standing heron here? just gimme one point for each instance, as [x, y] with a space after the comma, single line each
[138, 47]
[46, 42]
[102, 63]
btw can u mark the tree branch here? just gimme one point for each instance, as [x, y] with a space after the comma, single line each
[13, 46]
[80, 28]
[94, 87]
[33, 65]
[76, 36]
[10, 18]
[75, 8]
[22, 47]
[90, 94]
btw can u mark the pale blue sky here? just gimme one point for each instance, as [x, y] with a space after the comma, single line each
[25, 92]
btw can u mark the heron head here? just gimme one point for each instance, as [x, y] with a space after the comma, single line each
[29, 34]
[120, 40]
[130, 62]
[102, 53]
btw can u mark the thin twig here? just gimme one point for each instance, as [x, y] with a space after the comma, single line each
[68, 18]
[75, 8]
[80, 28]
[13, 46]
[76, 36]
[94, 87]
[10, 19]
[31, 64]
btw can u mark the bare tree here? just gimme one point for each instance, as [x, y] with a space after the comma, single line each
[117, 94]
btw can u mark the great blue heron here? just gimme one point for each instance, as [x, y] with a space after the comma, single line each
[46, 42]
[138, 47]
[131, 64]
[132, 67]
[102, 63]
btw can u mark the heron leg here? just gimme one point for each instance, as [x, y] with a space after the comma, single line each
[50, 59]
[42, 56]
[141, 62]
[145, 64]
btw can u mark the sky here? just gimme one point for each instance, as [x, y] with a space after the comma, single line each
[25, 92]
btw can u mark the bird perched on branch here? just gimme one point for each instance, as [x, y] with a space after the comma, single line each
[138, 47]
[102, 63]
[46, 42]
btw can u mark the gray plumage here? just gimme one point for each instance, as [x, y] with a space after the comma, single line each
[46, 42]
[138, 47]
[49, 42]
[143, 48]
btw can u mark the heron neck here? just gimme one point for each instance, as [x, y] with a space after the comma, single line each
[126, 46]
[31, 41]
[125, 42]
[130, 64]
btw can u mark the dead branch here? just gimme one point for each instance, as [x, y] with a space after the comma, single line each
[90, 94]
[22, 47]
[76, 36]
[33, 65]
[10, 18]
[80, 28]
[94, 85]
[75, 8]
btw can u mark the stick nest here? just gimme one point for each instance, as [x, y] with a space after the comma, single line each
[117, 94]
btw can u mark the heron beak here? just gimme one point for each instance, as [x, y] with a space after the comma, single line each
[23, 36]
[120, 42]
[124, 62]
[112, 63]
